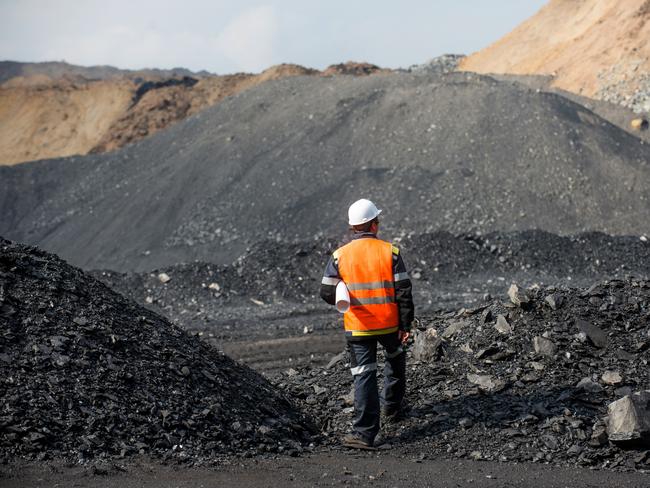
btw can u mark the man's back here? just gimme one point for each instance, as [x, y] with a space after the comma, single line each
[366, 267]
[381, 311]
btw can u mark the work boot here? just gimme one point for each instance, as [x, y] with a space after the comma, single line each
[355, 441]
[382, 442]
[392, 415]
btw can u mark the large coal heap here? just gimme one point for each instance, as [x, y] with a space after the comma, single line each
[86, 373]
[456, 152]
[524, 382]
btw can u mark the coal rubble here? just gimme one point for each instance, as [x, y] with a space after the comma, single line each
[450, 271]
[537, 390]
[267, 272]
[86, 373]
[438, 65]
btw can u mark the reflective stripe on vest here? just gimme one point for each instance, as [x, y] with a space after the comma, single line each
[366, 267]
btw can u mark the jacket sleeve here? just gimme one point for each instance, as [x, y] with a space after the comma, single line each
[330, 279]
[403, 292]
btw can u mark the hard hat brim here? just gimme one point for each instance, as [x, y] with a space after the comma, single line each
[365, 220]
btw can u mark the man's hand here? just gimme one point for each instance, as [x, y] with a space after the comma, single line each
[403, 336]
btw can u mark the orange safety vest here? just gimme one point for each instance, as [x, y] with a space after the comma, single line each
[366, 267]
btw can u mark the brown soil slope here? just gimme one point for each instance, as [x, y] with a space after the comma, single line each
[598, 48]
[159, 108]
[46, 119]
[45, 116]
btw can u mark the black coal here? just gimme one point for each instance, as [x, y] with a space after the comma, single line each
[448, 271]
[86, 373]
[475, 392]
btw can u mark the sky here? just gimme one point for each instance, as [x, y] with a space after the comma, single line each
[225, 36]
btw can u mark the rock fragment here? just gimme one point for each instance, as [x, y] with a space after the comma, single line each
[611, 378]
[426, 345]
[502, 325]
[518, 297]
[551, 442]
[589, 386]
[486, 316]
[544, 347]
[453, 329]
[554, 301]
[486, 382]
[598, 436]
[628, 419]
[596, 335]
[164, 278]
[336, 360]
[465, 422]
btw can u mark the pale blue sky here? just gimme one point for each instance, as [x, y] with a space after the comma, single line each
[249, 35]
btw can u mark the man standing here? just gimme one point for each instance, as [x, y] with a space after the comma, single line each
[381, 311]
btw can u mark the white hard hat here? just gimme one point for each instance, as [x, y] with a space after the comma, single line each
[362, 211]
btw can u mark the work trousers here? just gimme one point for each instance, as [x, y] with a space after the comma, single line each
[363, 362]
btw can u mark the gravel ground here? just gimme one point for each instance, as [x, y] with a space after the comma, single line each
[341, 468]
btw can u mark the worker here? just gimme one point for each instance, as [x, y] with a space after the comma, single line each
[381, 311]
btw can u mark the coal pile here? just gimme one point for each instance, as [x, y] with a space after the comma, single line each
[86, 373]
[456, 152]
[528, 377]
[449, 272]
[268, 272]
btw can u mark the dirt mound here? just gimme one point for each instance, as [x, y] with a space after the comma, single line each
[597, 48]
[163, 106]
[62, 110]
[284, 70]
[87, 373]
[538, 391]
[457, 152]
[149, 113]
[42, 118]
[54, 70]
[352, 68]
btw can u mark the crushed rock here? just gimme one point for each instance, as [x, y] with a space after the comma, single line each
[86, 373]
[509, 401]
